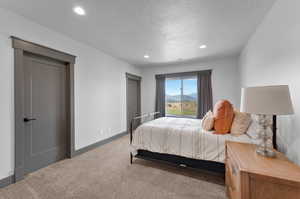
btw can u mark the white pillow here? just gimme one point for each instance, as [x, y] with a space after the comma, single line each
[208, 121]
[240, 123]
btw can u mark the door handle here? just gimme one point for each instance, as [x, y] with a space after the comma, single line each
[28, 119]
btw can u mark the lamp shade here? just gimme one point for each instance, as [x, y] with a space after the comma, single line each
[267, 100]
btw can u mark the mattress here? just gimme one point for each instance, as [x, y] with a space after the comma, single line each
[183, 137]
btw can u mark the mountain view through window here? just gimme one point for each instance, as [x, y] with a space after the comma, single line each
[181, 97]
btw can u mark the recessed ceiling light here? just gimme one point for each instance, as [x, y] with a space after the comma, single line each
[79, 10]
[203, 46]
[146, 56]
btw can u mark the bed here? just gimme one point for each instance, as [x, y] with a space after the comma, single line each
[183, 142]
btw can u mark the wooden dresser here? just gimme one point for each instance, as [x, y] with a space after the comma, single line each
[251, 176]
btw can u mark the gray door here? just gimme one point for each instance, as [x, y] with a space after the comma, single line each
[133, 100]
[45, 112]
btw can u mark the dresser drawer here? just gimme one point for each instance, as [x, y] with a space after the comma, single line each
[275, 189]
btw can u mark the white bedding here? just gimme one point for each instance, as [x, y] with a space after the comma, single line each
[183, 137]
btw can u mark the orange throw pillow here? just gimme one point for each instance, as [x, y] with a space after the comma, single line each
[223, 114]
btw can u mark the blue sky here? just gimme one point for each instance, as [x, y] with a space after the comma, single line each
[173, 86]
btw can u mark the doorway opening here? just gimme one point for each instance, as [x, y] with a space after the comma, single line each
[44, 106]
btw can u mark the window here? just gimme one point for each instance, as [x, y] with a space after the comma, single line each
[181, 96]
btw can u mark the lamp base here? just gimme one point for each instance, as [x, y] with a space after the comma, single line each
[266, 152]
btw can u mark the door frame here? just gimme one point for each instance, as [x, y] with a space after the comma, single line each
[130, 76]
[20, 47]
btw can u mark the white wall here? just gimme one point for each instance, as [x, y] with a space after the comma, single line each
[100, 100]
[225, 80]
[272, 57]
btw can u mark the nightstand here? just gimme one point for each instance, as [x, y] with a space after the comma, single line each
[251, 176]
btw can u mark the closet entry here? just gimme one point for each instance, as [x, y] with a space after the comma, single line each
[133, 92]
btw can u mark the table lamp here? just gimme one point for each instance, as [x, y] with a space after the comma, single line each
[266, 101]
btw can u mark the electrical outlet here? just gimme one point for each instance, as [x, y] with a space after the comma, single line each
[101, 132]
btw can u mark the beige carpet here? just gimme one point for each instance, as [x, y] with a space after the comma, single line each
[106, 173]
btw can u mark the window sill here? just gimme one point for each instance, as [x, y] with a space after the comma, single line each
[182, 116]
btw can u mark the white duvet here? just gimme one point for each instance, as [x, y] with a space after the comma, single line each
[183, 137]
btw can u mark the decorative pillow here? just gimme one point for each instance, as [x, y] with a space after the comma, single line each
[208, 121]
[223, 114]
[240, 124]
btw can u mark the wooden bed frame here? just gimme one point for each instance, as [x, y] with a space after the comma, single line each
[174, 159]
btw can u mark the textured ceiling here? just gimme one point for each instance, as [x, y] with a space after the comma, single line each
[167, 30]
